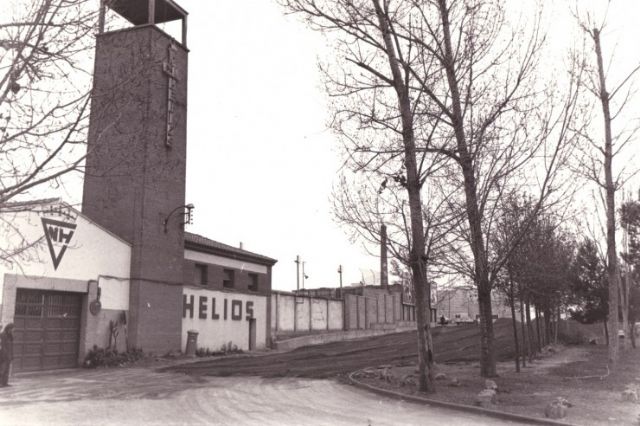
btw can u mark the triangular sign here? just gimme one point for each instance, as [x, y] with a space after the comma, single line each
[59, 236]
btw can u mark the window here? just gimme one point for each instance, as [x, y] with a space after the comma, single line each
[253, 282]
[200, 277]
[228, 278]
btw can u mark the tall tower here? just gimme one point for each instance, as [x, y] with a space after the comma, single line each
[136, 161]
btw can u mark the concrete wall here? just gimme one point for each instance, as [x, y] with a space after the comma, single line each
[80, 256]
[291, 314]
[221, 317]
[336, 317]
[89, 259]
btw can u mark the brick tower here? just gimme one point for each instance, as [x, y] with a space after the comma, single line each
[136, 161]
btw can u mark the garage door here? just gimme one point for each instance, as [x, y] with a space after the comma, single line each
[47, 330]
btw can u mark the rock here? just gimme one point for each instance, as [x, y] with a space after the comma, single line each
[454, 382]
[490, 384]
[555, 410]
[485, 398]
[552, 349]
[441, 376]
[593, 341]
[563, 401]
[408, 379]
[386, 374]
[630, 395]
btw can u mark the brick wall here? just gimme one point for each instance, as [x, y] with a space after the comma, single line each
[134, 180]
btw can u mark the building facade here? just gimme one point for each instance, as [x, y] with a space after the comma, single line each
[122, 273]
[68, 289]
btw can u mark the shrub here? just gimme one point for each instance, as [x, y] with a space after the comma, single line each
[100, 357]
[225, 349]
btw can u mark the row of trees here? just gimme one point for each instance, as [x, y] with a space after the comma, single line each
[553, 272]
[447, 109]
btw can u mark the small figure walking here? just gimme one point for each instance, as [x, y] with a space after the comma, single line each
[6, 354]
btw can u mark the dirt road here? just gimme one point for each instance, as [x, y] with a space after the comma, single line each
[460, 343]
[138, 396]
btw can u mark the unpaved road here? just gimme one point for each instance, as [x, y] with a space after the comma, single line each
[137, 396]
[460, 343]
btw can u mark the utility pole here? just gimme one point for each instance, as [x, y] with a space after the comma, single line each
[297, 261]
[340, 273]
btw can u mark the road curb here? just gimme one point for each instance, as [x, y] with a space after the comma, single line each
[454, 406]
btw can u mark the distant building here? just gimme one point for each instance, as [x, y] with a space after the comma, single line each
[461, 304]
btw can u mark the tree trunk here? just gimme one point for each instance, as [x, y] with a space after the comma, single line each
[632, 334]
[606, 330]
[610, 189]
[547, 326]
[624, 299]
[525, 346]
[417, 255]
[556, 325]
[512, 305]
[480, 257]
[530, 332]
[539, 341]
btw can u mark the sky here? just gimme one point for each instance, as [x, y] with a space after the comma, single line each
[261, 162]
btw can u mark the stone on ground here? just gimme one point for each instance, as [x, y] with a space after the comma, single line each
[441, 376]
[630, 395]
[490, 384]
[485, 398]
[454, 382]
[555, 410]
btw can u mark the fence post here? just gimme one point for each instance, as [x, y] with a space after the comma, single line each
[310, 314]
[327, 314]
[276, 311]
[295, 313]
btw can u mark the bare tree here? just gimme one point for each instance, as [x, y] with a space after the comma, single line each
[45, 78]
[376, 85]
[461, 93]
[597, 162]
[502, 127]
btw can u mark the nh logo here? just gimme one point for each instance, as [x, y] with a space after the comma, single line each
[59, 236]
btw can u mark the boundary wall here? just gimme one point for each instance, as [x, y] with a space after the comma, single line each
[294, 315]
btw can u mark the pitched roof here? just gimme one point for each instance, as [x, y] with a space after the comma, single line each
[202, 244]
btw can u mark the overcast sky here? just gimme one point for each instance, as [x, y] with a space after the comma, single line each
[261, 162]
